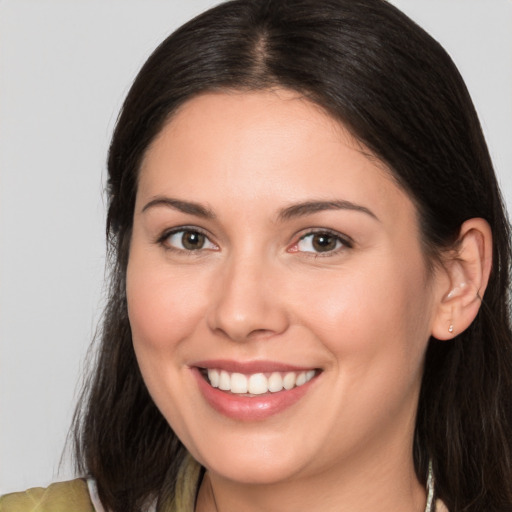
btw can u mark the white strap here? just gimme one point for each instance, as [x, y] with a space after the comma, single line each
[93, 493]
[96, 502]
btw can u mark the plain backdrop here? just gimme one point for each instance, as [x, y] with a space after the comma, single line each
[65, 67]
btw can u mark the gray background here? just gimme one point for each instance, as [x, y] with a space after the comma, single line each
[64, 70]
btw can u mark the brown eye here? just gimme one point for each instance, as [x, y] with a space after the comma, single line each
[321, 242]
[192, 240]
[189, 240]
[324, 242]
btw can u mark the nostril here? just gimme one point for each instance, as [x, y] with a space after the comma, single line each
[261, 333]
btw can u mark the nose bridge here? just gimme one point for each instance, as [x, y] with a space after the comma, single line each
[246, 301]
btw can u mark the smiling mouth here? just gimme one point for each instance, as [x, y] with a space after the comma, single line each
[256, 384]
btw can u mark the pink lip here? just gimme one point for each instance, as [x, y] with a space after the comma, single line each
[243, 408]
[249, 366]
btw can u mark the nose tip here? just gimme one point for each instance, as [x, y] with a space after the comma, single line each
[242, 329]
[246, 306]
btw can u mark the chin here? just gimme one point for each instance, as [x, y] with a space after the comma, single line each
[254, 474]
[260, 464]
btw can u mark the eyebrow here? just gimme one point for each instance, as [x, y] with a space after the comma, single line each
[290, 212]
[183, 206]
[309, 207]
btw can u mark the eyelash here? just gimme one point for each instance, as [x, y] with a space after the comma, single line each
[164, 239]
[342, 242]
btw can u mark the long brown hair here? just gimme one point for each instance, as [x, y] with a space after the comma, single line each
[399, 93]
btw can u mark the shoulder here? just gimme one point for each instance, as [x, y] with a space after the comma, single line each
[71, 496]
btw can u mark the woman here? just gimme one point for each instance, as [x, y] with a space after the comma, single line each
[308, 303]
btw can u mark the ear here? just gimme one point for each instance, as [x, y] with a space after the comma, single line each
[466, 274]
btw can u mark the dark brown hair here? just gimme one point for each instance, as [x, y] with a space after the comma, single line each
[401, 96]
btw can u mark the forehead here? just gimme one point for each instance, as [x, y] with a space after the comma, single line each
[266, 147]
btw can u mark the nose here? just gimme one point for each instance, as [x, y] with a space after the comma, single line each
[247, 303]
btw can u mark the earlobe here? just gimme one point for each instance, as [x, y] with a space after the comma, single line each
[468, 269]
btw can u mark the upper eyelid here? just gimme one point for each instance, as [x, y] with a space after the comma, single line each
[171, 231]
[314, 231]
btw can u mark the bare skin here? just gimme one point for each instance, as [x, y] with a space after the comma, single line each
[264, 235]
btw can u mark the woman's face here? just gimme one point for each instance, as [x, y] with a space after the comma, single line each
[277, 292]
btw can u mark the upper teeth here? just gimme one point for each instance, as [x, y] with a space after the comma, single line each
[257, 383]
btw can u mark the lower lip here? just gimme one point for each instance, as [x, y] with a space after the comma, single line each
[244, 408]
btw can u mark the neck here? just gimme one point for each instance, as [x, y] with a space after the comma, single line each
[388, 484]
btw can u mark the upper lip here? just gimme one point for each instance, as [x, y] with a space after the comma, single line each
[249, 367]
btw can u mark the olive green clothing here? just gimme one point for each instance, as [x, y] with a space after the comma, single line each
[73, 496]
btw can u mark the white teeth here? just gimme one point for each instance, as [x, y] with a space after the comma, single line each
[214, 377]
[257, 383]
[289, 380]
[301, 379]
[224, 381]
[275, 382]
[238, 383]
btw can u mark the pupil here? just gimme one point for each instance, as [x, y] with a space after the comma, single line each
[192, 240]
[324, 242]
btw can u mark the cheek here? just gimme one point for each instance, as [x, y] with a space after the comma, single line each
[163, 306]
[377, 309]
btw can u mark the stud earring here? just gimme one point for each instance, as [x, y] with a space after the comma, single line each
[450, 329]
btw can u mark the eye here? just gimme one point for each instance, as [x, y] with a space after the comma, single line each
[321, 242]
[188, 240]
